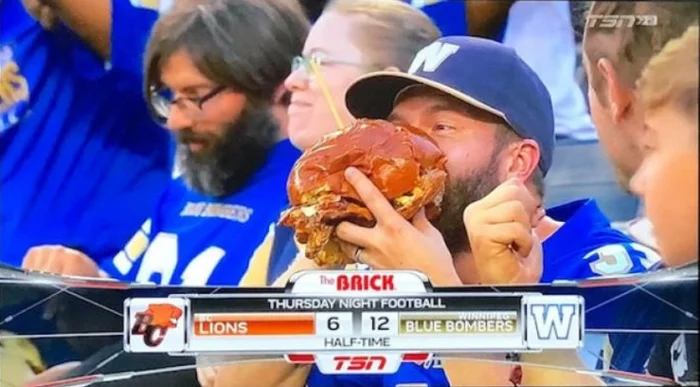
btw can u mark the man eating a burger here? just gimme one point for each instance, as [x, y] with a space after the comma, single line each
[491, 116]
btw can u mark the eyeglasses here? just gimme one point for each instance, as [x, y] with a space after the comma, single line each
[162, 102]
[320, 61]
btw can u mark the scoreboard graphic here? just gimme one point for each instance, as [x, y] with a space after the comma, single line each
[354, 322]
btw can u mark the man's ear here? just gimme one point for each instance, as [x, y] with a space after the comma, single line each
[523, 160]
[618, 96]
[392, 68]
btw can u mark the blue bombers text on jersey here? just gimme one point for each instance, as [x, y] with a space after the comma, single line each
[195, 240]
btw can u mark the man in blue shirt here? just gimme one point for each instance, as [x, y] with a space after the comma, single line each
[467, 94]
[76, 143]
[214, 93]
[491, 209]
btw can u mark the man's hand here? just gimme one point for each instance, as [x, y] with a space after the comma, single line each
[394, 242]
[60, 260]
[42, 12]
[500, 230]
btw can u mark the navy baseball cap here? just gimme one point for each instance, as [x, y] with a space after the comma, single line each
[480, 72]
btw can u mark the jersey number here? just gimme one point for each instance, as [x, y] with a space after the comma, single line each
[616, 259]
[162, 256]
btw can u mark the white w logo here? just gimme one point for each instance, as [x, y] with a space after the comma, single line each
[553, 318]
[432, 56]
[554, 322]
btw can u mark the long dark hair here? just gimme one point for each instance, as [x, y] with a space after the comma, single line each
[246, 45]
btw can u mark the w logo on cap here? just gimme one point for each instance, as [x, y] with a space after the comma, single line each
[431, 57]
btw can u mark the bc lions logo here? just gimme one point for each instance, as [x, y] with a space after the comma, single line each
[14, 90]
[154, 322]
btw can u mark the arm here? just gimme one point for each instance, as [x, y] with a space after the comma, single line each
[485, 17]
[91, 20]
[115, 29]
[543, 376]
[490, 373]
[497, 372]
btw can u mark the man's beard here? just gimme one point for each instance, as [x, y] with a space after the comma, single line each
[231, 159]
[459, 193]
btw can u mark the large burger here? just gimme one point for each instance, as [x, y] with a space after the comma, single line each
[404, 163]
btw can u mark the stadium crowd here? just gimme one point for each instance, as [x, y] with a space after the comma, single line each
[92, 185]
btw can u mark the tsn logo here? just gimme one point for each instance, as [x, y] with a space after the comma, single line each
[346, 363]
[360, 363]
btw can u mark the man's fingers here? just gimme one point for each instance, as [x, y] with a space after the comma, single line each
[55, 259]
[348, 248]
[30, 259]
[206, 376]
[534, 265]
[371, 196]
[512, 234]
[510, 211]
[355, 235]
[522, 241]
[511, 189]
[540, 213]
[504, 191]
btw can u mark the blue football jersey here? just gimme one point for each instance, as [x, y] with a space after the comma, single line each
[585, 246]
[194, 239]
[82, 163]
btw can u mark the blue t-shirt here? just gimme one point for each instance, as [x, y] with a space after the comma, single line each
[194, 240]
[585, 246]
[81, 162]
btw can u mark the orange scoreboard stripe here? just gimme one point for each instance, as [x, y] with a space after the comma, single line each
[254, 324]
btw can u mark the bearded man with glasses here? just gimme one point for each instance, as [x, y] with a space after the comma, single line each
[215, 92]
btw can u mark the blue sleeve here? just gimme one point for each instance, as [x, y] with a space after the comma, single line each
[618, 259]
[131, 28]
